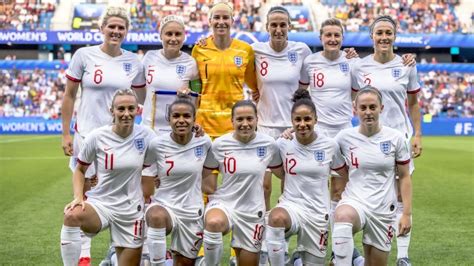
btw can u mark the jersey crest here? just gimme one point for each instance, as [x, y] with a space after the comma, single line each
[385, 147]
[127, 67]
[261, 151]
[238, 61]
[199, 151]
[292, 57]
[319, 155]
[139, 144]
[180, 70]
[396, 72]
[344, 67]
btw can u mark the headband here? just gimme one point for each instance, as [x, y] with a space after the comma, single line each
[171, 18]
[380, 19]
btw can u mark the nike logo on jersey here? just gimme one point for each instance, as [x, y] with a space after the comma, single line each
[167, 156]
[366, 74]
[352, 148]
[107, 148]
[289, 153]
[97, 65]
[228, 152]
[206, 59]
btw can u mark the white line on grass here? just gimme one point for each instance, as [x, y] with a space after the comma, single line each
[27, 139]
[33, 158]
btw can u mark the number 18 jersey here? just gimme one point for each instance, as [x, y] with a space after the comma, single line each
[242, 166]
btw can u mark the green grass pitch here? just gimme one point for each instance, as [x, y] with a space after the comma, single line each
[35, 184]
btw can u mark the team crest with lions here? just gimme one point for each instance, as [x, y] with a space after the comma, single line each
[238, 61]
[319, 156]
[292, 57]
[140, 144]
[180, 70]
[261, 151]
[385, 147]
[199, 152]
[127, 67]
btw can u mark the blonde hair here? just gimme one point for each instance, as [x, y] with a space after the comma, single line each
[221, 6]
[171, 18]
[331, 22]
[115, 11]
[124, 92]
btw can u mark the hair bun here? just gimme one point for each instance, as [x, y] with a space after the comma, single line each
[301, 94]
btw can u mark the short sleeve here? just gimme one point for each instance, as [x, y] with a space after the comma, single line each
[413, 85]
[276, 158]
[304, 78]
[250, 76]
[354, 82]
[403, 155]
[338, 161]
[211, 162]
[194, 70]
[76, 67]
[88, 153]
[150, 154]
[139, 80]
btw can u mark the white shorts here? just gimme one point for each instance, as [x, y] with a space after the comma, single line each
[310, 226]
[125, 230]
[186, 233]
[78, 143]
[378, 230]
[247, 230]
[273, 132]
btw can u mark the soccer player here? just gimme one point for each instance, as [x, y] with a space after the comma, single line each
[398, 84]
[118, 151]
[177, 206]
[100, 70]
[303, 208]
[167, 71]
[238, 204]
[373, 153]
[225, 65]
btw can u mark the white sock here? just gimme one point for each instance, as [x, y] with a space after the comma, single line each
[85, 246]
[276, 245]
[332, 211]
[311, 260]
[359, 261]
[156, 240]
[70, 245]
[212, 248]
[264, 251]
[342, 243]
[403, 242]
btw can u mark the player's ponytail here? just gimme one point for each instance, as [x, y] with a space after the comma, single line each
[302, 97]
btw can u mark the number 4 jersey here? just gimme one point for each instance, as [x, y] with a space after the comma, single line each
[100, 76]
[243, 166]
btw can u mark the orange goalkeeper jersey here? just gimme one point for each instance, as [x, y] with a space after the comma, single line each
[223, 74]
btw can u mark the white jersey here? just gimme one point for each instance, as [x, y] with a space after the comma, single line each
[243, 166]
[180, 172]
[278, 74]
[307, 168]
[394, 82]
[372, 166]
[119, 166]
[101, 75]
[330, 88]
[163, 78]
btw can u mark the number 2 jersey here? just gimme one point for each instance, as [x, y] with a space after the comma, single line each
[307, 168]
[372, 165]
[330, 88]
[394, 81]
[100, 76]
[179, 168]
[278, 75]
[119, 166]
[163, 78]
[242, 166]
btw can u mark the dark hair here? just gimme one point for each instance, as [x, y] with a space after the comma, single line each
[331, 22]
[242, 103]
[279, 9]
[302, 97]
[383, 18]
[182, 99]
[369, 90]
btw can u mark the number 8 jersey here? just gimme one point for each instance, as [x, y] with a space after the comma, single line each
[243, 166]
[101, 75]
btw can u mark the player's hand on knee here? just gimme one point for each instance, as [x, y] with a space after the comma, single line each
[404, 226]
[409, 60]
[287, 134]
[67, 145]
[351, 53]
[76, 202]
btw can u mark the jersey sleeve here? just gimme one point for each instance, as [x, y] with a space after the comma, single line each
[403, 155]
[139, 80]
[150, 154]
[89, 151]
[76, 67]
[354, 73]
[338, 161]
[250, 76]
[275, 161]
[304, 77]
[194, 70]
[211, 162]
[413, 85]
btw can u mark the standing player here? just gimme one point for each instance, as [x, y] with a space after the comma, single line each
[118, 151]
[238, 204]
[303, 208]
[100, 70]
[177, 206]
[374, 153]
[399, 87]
[167, 71]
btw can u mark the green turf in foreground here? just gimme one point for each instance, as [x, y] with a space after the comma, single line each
[35, 185]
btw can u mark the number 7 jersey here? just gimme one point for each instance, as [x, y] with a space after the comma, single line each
[243, 166]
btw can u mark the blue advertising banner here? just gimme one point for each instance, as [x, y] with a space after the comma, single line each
[356, 39]
[38, 125]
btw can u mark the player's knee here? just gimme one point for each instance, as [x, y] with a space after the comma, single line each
[344, 214]
[215, 224]
[156, 216]
[73, 217]
[278, 218]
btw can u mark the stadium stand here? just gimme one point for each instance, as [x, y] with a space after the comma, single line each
[29, 15]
